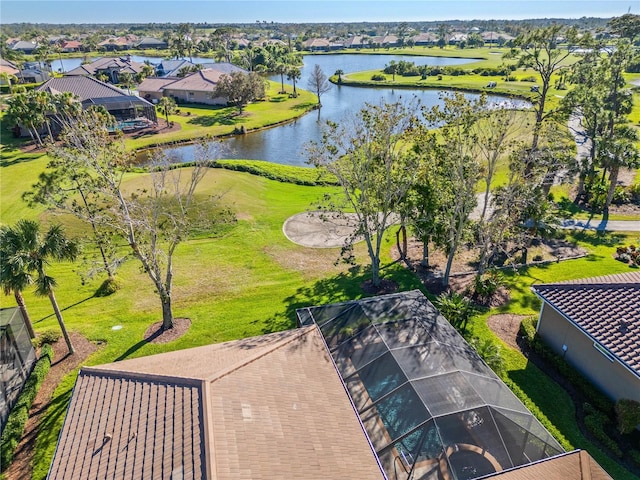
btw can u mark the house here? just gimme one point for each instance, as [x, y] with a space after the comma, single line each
[70, 46]
[112, 67]
[24, 46]
[91, 91]
[594, 324]
[8, 68]
[362, 389]
[33, 73]
[171, 68]
[425, 39]
[321, 45]
[457, 37]
[196, 87]
[150, 43]
[118, 43]
[356, 41]
[493, 38]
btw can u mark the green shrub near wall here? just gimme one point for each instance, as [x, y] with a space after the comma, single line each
[20, 412]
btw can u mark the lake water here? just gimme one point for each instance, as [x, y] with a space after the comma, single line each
[286, 143]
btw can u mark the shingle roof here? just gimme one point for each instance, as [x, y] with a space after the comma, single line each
[84, 87]
[269, 407]
[202, 81]
[607, 308]
[576, 465]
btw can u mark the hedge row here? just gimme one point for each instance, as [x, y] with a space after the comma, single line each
[20, 412]
[592, 394]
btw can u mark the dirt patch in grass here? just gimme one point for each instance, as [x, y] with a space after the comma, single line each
[63, 364]
[155, 334]
[506, 326]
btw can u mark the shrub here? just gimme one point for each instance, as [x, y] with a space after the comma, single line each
[46, 337]
[531, 79]
[635, 456]
[595, 423]
[486, 285]
[108, 287]
[491, 353]
[456, 308]
[20, 412]
[621, 196]
[627, 415]
[378, 77]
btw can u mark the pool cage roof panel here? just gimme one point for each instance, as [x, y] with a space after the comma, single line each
[427, 401]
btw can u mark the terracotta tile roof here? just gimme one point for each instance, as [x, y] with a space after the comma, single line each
[576, 465]
[607, 308]
[202, 81]
[269, 407]
[147, 427]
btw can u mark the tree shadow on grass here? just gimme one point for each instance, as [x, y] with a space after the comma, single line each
[598, 238]
[304, 106]
[339, 288]
[219, 118]
[65, 308]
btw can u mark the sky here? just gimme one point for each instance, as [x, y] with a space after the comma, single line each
[301, 11]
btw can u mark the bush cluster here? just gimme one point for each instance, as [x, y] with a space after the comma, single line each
[47, 337]
[378, 77]
[629, 254]
[596, 422]
[20, 412]
[628, 415]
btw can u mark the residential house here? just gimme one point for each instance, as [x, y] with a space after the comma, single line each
[150, 43]
[425, 39]
[118, 43]
[495, 38]
[70, 46]
[385, 41]
[356, 41]
[197, 87]
[112, 67]
[24, 46]
[594, 324]
[363, 389]
[457, 37]
[8, 68]
[171, 68]
[91, 91]
[33, 72]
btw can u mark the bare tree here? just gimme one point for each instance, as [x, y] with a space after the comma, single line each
[365, 153]
[154, 219]
[318, 82]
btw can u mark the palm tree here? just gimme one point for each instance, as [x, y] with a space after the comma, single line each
[28, 251]
[339, 73]
[168, 106]
[293, 73]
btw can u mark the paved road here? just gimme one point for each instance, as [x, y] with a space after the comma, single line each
[609, 226]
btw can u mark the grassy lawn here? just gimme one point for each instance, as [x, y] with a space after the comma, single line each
[201, 120]
[250, 279]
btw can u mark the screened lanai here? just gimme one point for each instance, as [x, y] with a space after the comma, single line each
[431, 407]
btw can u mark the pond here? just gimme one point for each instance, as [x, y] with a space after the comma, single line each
[286, 143]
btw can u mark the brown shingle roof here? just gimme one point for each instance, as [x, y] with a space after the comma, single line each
[270, 407]
[121, 64]
[607, 308]
[202, 81]
[576, 465]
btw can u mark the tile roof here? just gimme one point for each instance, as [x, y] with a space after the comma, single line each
[269, 407]
[607, 308]
[84, 87]
[122, 64]
[155, 84]
[143, 426]
[576, 465]
[202, 81]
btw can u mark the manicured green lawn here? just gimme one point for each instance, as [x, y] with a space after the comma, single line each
[250, 280]
[202, 120]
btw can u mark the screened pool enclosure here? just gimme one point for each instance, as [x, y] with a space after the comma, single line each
[429, 404]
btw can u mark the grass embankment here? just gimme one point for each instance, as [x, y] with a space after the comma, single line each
[249, 281]
[198, 121]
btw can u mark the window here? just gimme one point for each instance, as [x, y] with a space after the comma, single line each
[604, 351]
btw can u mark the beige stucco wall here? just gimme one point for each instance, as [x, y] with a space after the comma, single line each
[611, 377]
[197, 97]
